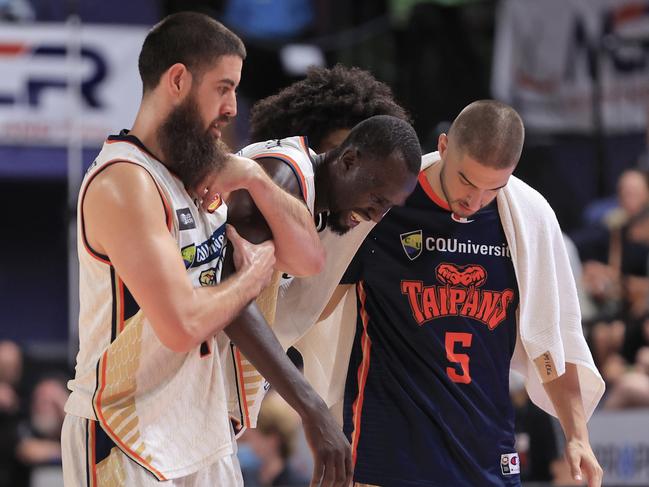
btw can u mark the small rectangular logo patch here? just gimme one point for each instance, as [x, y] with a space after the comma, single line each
[509, 464]
[185, 219]
[547, 368]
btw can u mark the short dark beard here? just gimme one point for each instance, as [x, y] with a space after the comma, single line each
[334, 223]
[190, 151]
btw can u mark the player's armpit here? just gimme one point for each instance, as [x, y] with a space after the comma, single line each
[246, 217]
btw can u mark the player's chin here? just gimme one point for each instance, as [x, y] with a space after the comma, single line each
[339, 223]
[462, 211]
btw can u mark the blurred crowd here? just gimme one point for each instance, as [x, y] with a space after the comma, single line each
[608, 234]
[31, 416]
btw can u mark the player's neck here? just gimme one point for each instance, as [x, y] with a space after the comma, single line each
[434, 176]
[322, 180]
[145, 128]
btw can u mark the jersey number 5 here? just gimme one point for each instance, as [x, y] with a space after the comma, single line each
[461, 359]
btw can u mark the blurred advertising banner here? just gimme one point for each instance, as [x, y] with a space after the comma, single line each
[56, 78]
[620, 441]
[564, 63]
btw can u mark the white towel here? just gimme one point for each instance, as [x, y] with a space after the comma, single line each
[549, 321]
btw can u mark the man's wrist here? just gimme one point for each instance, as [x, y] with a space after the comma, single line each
[257, 180]
[309, 404]
[247, 284]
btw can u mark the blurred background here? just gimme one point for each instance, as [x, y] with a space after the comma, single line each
[576, 70]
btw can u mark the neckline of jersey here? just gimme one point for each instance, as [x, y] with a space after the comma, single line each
[428, 189]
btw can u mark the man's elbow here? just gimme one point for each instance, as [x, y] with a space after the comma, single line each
[311, 265]
[318, 262]
[179, 342]
[177, 334]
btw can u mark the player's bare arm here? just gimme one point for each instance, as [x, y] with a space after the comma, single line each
[331, 451]
[125, 220]
[565, 395]
[274, 205]
[251, 333]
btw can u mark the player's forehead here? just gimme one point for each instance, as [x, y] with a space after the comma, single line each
[224, 69]
[481, 175]
[395, 182]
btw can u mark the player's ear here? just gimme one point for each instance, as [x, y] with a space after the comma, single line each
[442, 143]
[350, 158]
[177, 80]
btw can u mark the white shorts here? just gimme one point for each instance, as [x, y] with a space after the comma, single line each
[88, 463]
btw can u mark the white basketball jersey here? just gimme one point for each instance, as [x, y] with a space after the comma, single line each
[246, 387]
[165, 410]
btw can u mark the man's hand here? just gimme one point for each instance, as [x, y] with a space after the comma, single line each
[332, 459]
[236, 173]
[581, 459]
[565, 394]
[257, 260]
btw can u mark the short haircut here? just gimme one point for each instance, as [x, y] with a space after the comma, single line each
[383, 135]
[490, 132]
[326, 100]
[190, 38]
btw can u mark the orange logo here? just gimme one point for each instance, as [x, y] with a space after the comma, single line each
[214, 205]
[459, 295]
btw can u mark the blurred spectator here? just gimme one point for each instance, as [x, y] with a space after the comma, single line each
[11, 369]
[614, 251]
[11, 366]
[16, 11]
[272, 444]
[627, 368]
[39, 440]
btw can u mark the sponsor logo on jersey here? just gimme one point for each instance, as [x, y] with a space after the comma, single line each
[197, 255]
[214, 205]
[458, 294]
[185, 219]
[208, 277]
[460, 219]
[412, 244]
[509, 464]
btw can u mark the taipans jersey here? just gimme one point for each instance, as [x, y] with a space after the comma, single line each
[427, 392]
[246, 387]
[166, 410]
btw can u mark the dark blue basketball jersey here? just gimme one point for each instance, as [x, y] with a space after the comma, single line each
[427, 393]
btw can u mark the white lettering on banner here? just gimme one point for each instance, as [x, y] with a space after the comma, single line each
[38, 66]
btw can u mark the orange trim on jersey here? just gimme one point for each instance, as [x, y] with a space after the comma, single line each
[120, 304]
[363, 369]
[296, 167]
[242, 388]
[428, 189]
[304, 145]
[92, 434]
[110, 432]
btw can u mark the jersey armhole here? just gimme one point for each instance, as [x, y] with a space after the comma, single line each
[97, 255]
[293, 165]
